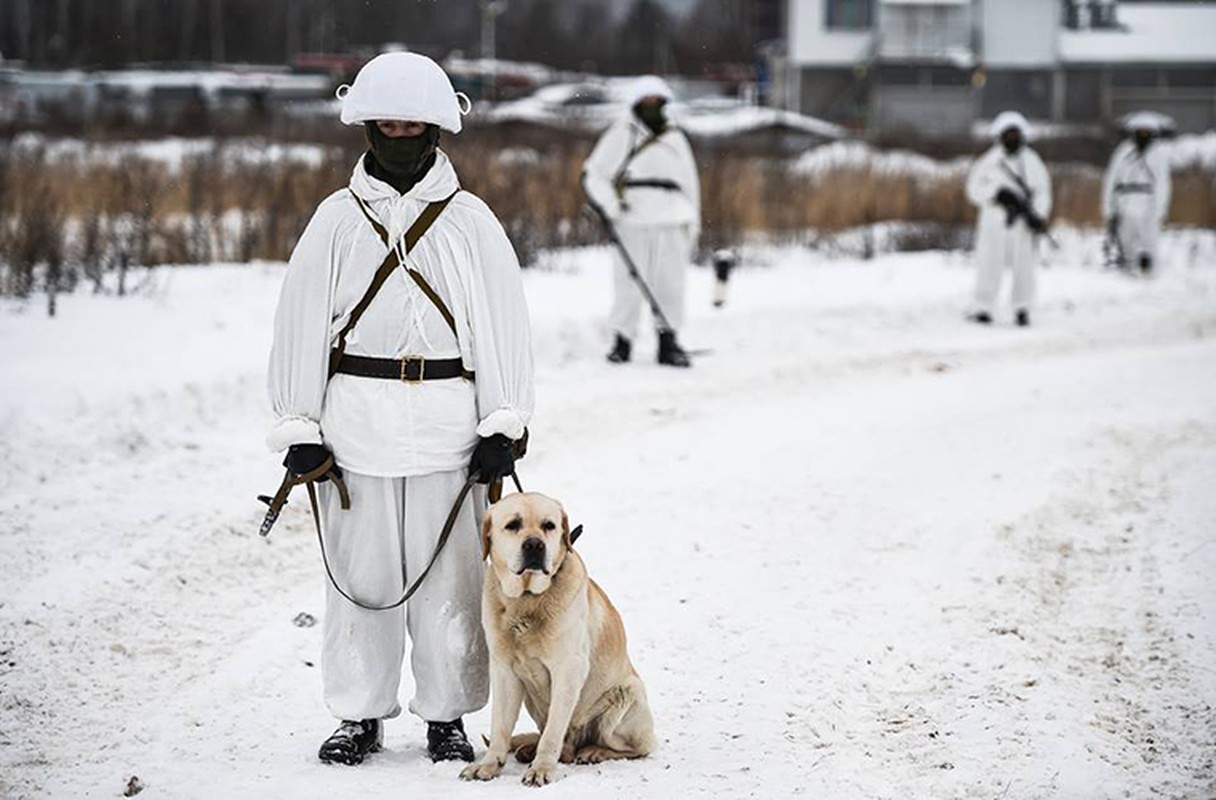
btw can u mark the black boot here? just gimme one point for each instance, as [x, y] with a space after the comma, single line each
[621, 350]
[670, 353]
[352, 741]
[982, 317]
[1146, 264]
[445, 741]
[1022, 318]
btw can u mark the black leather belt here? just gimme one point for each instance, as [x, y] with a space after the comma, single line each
[651, 183]
[411, 369]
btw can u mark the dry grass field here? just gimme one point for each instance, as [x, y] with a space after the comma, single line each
[67, 219]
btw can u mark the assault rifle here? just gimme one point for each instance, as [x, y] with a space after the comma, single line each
[1112, 247]
[1037, 225]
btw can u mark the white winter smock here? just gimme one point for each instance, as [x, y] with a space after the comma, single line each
[390, 428]
[999, 246]
[617, 159]
[1136, 190]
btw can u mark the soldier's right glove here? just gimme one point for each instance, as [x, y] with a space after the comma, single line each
[302, 459]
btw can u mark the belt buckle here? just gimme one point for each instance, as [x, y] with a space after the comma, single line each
[405, 369]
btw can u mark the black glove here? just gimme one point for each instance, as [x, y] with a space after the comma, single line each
[1014, 206]
[302, 459]
[1009, 199]
[494, 457]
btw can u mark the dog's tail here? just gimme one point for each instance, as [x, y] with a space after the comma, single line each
[519, 740]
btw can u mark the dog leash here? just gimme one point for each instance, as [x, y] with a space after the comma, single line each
[444, 535]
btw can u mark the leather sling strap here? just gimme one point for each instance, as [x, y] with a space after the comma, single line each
[327, 469]
[444, 534]
[412, 236]
[415, 232]
[618, 180]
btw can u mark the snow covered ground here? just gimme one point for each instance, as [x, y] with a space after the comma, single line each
[862, 549]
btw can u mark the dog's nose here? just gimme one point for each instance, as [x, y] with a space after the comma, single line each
[533, 550]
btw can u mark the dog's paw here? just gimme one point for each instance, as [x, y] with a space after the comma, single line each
[540, 774]
[481, 771]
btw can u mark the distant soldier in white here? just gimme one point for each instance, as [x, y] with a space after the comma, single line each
[642, 177]
[1136, 194]
[400, 391]
[1010, 187]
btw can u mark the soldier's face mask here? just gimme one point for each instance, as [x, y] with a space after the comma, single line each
[1011, 140]
[652, 112]
[1142, 138]
[403, 157]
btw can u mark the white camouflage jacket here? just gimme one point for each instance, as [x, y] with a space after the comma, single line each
[391, 428]
[668, 158]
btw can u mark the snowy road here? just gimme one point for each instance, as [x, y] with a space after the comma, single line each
[862, 550]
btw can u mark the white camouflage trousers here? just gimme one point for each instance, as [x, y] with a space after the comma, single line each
[661, 253]
[378, 545]
[1013, 251]
[1139, 228]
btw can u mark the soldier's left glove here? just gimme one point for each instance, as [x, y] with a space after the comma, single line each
[492, 458]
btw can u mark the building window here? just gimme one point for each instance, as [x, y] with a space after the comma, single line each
[1086, 14]
[854, 15]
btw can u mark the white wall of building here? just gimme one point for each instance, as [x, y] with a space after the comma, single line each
[812, 44]
[1019, 34]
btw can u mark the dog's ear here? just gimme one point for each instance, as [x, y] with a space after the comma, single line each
[486, 524]
[566, 543]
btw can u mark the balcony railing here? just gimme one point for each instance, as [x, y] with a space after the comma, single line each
[939, 32]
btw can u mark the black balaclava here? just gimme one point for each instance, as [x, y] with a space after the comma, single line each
[1011, 140]
[400, 161]
[652, 115]
[1143, 138]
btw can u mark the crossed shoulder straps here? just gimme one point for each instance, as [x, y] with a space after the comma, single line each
[390, 263]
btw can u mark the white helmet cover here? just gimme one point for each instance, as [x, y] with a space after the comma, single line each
[405, 86]
[1143, 120]
[1010, 119]
[647, 85]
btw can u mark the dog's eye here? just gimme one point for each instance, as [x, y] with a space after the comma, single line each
[514, 525]
[547, 525]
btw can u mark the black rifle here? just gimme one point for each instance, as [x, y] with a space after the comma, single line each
[1036, 223]
[631, 268]
[1112, 247]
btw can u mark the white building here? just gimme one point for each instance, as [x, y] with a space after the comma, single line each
[935, 66]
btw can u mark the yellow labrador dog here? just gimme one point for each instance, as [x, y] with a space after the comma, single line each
[556, 645]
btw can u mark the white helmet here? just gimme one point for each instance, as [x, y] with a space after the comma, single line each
[1010, 119]
[647, 85]
[1146, 120]
[407, 86]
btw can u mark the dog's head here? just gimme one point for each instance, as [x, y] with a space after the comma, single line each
[526, 537]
